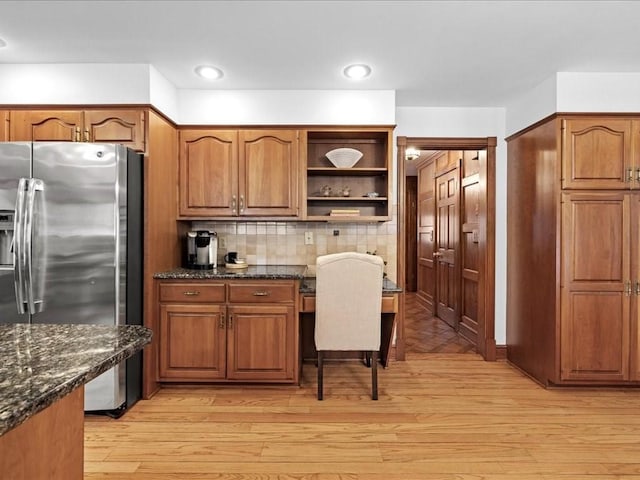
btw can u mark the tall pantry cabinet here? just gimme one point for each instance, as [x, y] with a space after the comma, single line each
[573, 274]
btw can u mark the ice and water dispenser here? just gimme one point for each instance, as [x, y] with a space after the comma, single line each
[6, 237]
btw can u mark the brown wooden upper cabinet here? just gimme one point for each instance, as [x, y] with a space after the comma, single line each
[601, 153]
[126, 127]
[238, 173]
[4, 125]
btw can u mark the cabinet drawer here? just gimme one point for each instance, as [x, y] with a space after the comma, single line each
[192, 292]
[389, 303]
[262, 292]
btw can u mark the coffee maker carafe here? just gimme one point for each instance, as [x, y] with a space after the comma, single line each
[202, 250]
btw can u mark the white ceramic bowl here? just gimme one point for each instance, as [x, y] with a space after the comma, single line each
[344, 157]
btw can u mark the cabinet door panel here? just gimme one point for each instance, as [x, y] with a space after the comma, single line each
[115, 126]
[4, 126]
[46, 125]
[595, 336]
[208, 173]
[597, 154]
[599, 249]
[261, 342]
[269, 172]
[192, 342]
[596, 275]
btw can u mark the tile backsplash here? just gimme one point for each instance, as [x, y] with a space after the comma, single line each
[283, 243]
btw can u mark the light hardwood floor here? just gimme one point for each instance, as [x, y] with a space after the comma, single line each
[446, 416]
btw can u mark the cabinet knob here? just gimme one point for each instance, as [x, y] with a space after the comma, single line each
[222, 322]
[436, 254]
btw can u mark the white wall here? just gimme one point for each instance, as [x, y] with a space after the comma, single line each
[471, 122]
[162, 94]
[598, 92]
[286, 107]
[570, 92]
[532, 107]
[74, 84]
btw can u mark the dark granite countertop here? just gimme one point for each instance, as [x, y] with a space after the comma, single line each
[258, 272]
[266, 272]
[40, 364]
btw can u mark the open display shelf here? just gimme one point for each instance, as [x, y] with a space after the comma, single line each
[370, 174]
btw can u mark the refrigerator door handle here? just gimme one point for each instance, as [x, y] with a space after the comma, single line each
[35, 185]
[19, 247]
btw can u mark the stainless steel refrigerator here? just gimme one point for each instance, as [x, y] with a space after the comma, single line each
[71, 246]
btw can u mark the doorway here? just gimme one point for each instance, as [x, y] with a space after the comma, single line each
[456, 241]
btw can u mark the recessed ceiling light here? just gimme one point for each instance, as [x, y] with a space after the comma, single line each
[357, 71]
[209, 72]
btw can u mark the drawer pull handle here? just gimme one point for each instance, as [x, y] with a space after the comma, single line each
[191, 293]
[260, 293]
[230, 322]
[222, 322]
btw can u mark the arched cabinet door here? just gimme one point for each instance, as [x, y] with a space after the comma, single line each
[115, 126]
[46, 126]
[208, 170]
[597, 154]
[104, 126]
[268, 175]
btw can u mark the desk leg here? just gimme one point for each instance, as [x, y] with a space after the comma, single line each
[386, 336]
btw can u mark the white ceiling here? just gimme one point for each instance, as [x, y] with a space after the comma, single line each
[432, 53]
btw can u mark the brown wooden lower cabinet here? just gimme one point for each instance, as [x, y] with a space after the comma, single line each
[244, 331]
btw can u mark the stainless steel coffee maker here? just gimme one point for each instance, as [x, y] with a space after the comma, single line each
[202, 249]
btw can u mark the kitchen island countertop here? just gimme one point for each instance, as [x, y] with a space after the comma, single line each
[40, 364]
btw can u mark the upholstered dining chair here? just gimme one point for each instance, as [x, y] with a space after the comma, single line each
[348, 307]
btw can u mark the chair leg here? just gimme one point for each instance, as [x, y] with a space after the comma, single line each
[320, 365]
[367, 359]
[374, 375]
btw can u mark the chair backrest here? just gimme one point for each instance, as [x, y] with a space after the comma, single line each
[348, 301]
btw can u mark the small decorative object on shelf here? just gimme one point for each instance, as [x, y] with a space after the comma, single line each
[326, 191]
[344, 157]
[346, 191]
